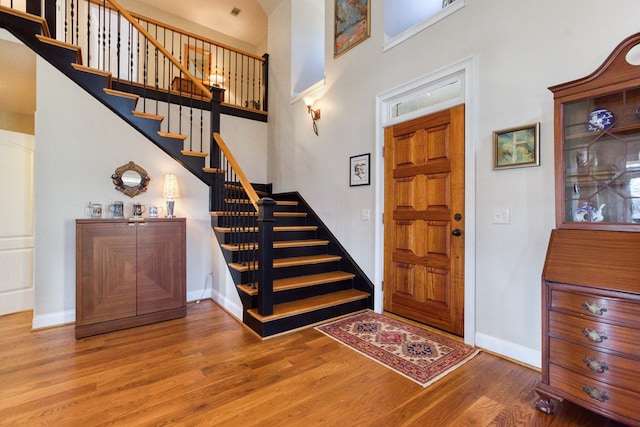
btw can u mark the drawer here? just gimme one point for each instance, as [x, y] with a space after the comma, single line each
[598, 334]
[614, 370]
[614, 400]
[597, 306]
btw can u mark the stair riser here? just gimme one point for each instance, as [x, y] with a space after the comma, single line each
[306, 292]
[251, 221]
[293, 235]
[243, 207]
[234, 238]
[303, 270]
[94, 82]
[235, 256]
[305, 319]
[282, 273]
[237, 221]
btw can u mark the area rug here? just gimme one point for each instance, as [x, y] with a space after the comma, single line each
[419, 355]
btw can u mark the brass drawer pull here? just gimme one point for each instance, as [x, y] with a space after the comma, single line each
[594, 336]
[595, 365]
[595, 394]
[594, 308]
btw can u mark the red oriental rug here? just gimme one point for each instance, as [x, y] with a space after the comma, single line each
[418, 354]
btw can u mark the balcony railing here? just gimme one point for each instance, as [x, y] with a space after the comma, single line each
[109, 43]
[107, 36]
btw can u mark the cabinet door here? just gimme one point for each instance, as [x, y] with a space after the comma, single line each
[161, 269]
[107, 272]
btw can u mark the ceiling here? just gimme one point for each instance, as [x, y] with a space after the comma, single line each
[17, 75]
[250, 25]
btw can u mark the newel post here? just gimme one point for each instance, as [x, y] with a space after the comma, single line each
[265, 255]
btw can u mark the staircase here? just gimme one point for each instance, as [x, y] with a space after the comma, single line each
[312, 278]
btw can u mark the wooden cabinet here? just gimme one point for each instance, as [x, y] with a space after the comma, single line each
[591, 276]
[129, 273]
[591, 323]
[185, 86]
[597, 146]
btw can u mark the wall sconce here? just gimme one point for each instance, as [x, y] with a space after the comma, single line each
[170, 192]
[315, 114]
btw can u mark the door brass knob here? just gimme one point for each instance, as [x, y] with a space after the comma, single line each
[457, 232]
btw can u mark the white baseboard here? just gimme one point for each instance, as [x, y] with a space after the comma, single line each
[54, 319]
[232, 308]
[198, 295]
[15, 301]
[508, 349]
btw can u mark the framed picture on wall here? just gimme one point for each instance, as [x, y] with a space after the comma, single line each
[197, 61]
[359, 170]
[352, 24]
[516, 147]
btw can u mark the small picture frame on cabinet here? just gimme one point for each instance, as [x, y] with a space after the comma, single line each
[359, 170]
[517, 147]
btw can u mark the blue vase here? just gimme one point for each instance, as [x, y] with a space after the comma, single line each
[600, 119]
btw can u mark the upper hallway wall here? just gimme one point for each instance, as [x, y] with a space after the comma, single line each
[175, 21]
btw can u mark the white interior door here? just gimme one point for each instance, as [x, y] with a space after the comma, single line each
[17, 224]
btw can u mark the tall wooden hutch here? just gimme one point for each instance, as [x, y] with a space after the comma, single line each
[591, 276]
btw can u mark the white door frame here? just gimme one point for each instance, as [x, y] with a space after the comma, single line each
[463, 73]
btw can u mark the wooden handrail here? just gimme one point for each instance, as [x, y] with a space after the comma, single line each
[246, 184]
[162, 49]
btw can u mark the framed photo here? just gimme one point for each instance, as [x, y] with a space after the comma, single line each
[359, 170]
[197, 61]
[352, 24]
[517, 147]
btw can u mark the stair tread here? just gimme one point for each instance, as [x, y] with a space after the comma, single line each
[148, 115]
[281, 229]
[64, 45]
[194, 153]
[289, 262]
[306, 305]
[213, 170]
[120, 93]
[279, 244]
[84, 68]
[172, 135]
[297, 282]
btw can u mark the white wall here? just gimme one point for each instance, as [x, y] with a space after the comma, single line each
[79, 144]
[521, 49]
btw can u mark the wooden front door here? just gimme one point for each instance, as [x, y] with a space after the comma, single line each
[424, 220]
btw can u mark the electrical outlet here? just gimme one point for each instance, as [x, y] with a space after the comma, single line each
[501, 216]
[365, 214]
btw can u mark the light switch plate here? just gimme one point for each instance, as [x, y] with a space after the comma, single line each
[501, 216]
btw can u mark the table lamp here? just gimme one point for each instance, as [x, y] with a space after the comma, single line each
[170, 192]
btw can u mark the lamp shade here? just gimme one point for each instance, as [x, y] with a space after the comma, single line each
[216, 77]
[171, 189]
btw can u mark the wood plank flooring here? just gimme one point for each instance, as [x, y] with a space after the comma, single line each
[209, 370]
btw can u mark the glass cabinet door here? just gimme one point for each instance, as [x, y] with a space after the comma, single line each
[601, 153]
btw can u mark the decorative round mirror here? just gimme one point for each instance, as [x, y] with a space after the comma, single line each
[131, 179]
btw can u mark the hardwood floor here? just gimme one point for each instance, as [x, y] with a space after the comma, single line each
[209, 370]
